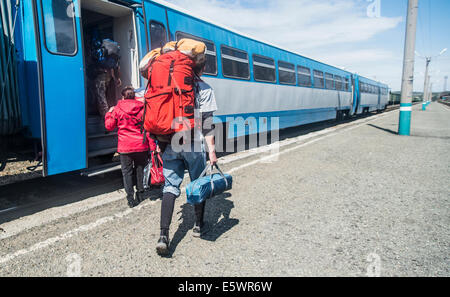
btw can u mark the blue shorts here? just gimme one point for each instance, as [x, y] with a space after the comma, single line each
[175, 163]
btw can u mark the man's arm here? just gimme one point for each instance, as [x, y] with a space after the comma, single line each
[208, 132]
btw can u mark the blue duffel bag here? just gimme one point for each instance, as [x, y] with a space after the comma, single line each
[207, 186]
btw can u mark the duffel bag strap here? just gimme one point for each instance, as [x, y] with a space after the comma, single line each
[221, 173]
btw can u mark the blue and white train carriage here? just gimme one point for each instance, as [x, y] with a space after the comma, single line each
[251, 78]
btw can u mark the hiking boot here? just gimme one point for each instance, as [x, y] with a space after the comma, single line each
[162, 247]
[198, 230]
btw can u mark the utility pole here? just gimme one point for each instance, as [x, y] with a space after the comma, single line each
[430, 94]
[427, 78]
[426, 82]
[404, 127]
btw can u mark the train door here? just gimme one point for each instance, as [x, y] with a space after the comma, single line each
[379, 98]
[356, 94]
[100, 20]
[158, 32]
[61, 79]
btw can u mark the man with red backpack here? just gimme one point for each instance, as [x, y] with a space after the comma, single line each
[132, 146]
[186, 151]
[176, 102]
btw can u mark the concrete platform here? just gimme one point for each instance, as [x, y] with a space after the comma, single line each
[358, 200]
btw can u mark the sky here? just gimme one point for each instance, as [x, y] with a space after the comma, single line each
[362, 36]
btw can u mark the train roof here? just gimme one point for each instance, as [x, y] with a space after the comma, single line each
[204, 19]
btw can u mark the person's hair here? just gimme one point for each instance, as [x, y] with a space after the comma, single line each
[128, 93]
[199, 67]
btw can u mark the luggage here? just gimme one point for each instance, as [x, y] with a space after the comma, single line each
[169, 106]
[207, 186]
[148, 59]
[153, 172]
[108, 55]
[196, 50]
[111, 47]
[156, 172]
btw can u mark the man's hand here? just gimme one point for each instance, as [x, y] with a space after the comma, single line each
[158, 149]
[111, 109]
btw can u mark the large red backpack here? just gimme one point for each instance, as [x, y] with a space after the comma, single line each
[169, 99]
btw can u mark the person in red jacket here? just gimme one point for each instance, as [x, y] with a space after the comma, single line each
[127, 117]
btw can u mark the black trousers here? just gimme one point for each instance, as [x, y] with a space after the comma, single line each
[133, 165]
[167, 206]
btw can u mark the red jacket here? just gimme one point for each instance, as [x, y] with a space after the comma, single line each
[126, 116]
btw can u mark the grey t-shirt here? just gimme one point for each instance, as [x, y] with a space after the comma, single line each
[205, 100]
[205, 106]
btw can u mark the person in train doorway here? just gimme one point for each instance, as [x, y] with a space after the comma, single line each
[107, 73]
[132, 146]
[175, 161]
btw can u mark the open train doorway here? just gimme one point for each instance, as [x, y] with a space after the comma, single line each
[106, 20]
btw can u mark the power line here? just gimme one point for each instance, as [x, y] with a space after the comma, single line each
[429, 26]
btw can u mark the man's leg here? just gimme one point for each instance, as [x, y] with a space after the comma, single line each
[100, 94]
[196, 162]
[173, 170]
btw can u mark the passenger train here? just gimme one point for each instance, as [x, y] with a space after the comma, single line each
[251, 78]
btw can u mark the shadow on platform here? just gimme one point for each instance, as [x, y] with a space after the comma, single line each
[384, 129]
[217, 220]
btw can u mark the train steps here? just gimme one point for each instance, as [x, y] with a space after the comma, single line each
[100, 142]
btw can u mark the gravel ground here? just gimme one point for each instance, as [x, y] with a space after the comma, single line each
[362, 198]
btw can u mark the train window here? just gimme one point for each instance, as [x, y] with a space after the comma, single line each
[286, 73]
[318, 79]
[211, 56]
[304, 76]
[158, 35]
[347, 84]
[59, 27]
[329, 81]
[264, 69]
[234, 63]
[338, 81]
